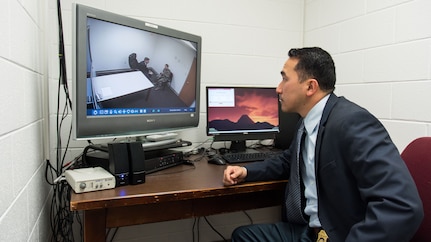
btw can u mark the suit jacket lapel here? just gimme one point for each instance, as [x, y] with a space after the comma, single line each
[333, 99]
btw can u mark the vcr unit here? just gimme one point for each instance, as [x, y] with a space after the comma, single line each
[161, 159]
[154, 160]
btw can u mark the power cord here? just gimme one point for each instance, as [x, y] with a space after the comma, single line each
[61, 217]
[113, 235]
[248, 216]
[215, 230]
[196, 223]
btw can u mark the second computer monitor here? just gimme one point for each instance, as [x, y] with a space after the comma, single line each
[238, 114]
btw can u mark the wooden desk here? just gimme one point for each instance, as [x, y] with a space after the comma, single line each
[175, 193]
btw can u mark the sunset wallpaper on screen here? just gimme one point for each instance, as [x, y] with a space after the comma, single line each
[259, 104]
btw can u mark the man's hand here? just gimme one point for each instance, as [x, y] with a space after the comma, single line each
[234, 175]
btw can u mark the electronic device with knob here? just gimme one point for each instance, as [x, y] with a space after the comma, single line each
[89, 179]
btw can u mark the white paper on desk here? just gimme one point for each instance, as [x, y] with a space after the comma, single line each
[106, 92]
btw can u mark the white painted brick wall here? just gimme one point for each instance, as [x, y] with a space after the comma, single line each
[382, 51]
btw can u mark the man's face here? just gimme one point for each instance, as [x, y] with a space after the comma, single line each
[292, 93]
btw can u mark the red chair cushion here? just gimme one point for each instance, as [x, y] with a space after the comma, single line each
[417, 156]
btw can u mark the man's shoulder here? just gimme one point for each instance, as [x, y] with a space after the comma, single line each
[345, 105]
[341, 110]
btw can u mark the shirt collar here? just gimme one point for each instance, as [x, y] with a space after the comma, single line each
[313, 117]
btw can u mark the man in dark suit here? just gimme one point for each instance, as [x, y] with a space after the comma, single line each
[148, 71]
[351, 182]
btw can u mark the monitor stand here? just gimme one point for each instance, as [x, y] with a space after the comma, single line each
[239, 146]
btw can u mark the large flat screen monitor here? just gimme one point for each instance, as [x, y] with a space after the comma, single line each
[131, 77]
[238, 114]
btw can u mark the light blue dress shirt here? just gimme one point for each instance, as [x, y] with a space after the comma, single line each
[311, 123]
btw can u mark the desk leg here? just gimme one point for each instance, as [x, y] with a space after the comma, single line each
[95, 225]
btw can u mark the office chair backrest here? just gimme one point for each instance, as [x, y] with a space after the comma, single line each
[417, 156]
[133, 62]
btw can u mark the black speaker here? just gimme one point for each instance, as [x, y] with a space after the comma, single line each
[136, 163]
[287, 125]
[119, 162]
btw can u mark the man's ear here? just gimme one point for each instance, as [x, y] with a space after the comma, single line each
[312, 86]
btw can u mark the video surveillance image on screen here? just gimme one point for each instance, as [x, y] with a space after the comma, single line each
[132, 71]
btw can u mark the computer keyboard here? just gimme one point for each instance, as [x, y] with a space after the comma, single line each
[248, 157]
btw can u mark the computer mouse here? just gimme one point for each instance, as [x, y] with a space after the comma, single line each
[216, 160]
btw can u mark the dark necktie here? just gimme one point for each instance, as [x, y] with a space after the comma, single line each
[294, 198]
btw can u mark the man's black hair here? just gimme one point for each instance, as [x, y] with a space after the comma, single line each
[316, 63]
